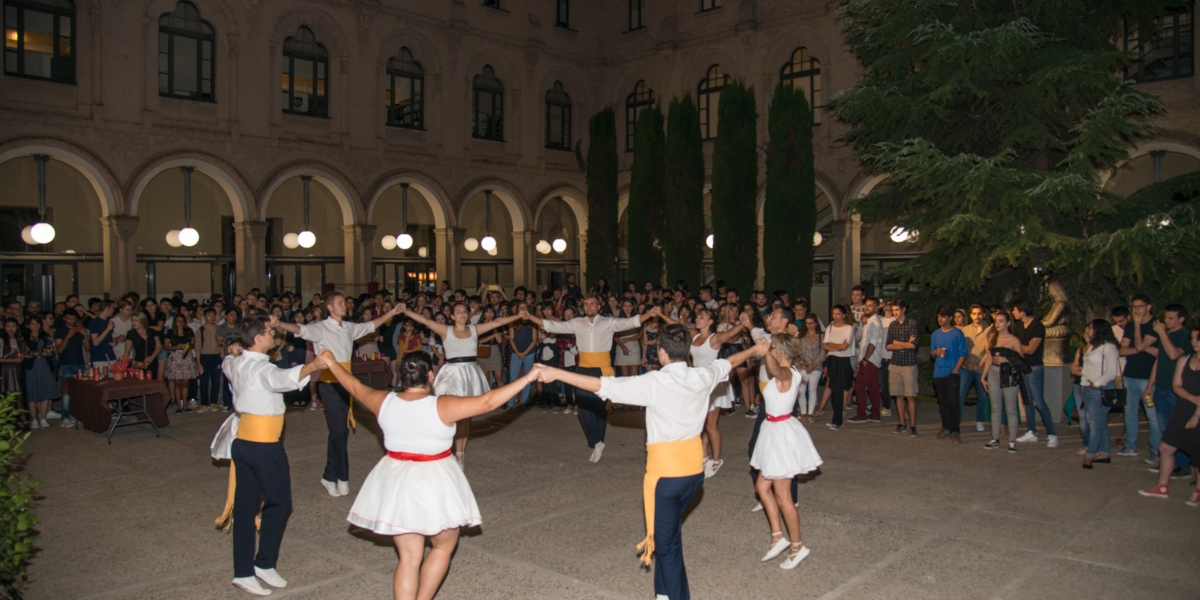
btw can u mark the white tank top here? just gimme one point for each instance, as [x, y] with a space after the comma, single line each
[457, 347]
[704, 354]
[414, 426]
[780, 403]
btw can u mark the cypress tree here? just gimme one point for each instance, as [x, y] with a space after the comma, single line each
[602, 241]
[790, 211]
[995, 120]
[646, 199]
[735, 188]
[683, 157]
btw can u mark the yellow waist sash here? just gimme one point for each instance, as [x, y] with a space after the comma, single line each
[666, 459]
[328, 377]
[251, 428]
[597, 360]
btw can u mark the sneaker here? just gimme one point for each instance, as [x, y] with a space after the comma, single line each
[900, 429]
[270, 577]
[992, 445]
[1194, 499]
[873, 419]
[343, 488]
[979, 426]
[1030, 436]
[597, 452]
[251, 585]
[856, 420]
[954, 439]
[192, 403]
[67, 423]
[53, 414]
[1153, 469]
[1012, 448]
[941, 435]
[312, 405]
[757, 507]
[1052, 441]
[45, 424]
[834, 427]
[912, 432]
[225, 407]
[1152, 460]
[716, 466]
[330, 487]
[1158, 491]
[750, 414]
[885, 412]
[34, 424]
[1178, 473]
[1127, 452]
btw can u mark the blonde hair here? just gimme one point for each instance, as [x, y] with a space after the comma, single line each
[788, 344]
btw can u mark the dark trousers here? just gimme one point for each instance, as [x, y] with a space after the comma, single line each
[884, 393]
[262, 475]
[762, 416]
[947, 395]
[672, 496]
[337, 406]
[867, 384]
[593, 413]
[210, 379]
[228, 399]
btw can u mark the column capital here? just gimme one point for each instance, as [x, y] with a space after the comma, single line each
[254, 229]
[123, 225]
[362, 233]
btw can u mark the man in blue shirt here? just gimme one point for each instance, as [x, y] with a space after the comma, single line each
[101, 331]
[948, 347]
[71, 342]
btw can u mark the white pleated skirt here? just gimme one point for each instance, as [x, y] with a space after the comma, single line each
[401, 496]
[460, 379]
[722, 396]
[784, 450]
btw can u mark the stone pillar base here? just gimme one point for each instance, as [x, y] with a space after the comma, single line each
[1057, 389]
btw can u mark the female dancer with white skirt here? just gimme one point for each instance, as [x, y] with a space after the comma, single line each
[417, 492]
[784, 449]
[461, 376]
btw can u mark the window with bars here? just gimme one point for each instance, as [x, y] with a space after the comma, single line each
[635, 14]
[489, 106]
[305, 75]
[405, 99]
[1170, 54]
[39, 39]
[562, 13]
[804, 73]
[641, 97]
[185, 54]
[558, 118]
[708, 96]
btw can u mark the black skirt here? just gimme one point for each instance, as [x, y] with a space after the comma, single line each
[840, 372]
[1177, 434]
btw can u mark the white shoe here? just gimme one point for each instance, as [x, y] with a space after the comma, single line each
[53, 414]
[331, 487]
[777, 548]
[1028, 437]
[757, 507]
[792, 561]
[251, 585]
[708, 472]
[883, 412]
[343, 489]
[44, 423]
[270, 577]
[67, 423]
[597, 451]
[1052, 441]
[192, 404]
[979, 426]
[715, 465]
[34, 424]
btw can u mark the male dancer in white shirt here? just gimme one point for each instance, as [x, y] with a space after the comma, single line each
[676, 398]
[338, 337]
[259, 472]
[594, 338]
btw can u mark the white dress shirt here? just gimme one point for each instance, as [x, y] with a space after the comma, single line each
[884, 322]
[676, 397]
[335, 337]
[258, 385]
[873, 333]
[592, 335]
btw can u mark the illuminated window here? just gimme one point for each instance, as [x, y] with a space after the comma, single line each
[558, 118]
[489, 106]
[803, 72]
[39, 39]
[641, 97]
[185, 54]
[405, 101]
[708, 96]
[305, 75]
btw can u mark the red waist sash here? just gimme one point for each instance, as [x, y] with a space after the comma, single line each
[418, 457]
[778, 418]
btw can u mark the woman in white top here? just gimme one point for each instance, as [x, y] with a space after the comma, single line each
[784, 449]
[417, 492]
[839, 370]
[1101, 370]
[628, 352]
[461, 376]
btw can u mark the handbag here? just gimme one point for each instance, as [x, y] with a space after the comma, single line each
[484, 351]
[1114, 398]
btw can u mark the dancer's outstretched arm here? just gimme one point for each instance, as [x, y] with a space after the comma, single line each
[369, 396]
[452, 409]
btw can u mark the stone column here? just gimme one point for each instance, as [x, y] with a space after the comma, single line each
[250, 247]
[847, 256]
[582, 261]
[120, 255]
[449, 266]
[359, 245]
[524, 261]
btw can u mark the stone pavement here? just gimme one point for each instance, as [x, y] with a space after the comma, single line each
[888, 517]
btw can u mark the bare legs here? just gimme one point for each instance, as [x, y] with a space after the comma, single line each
[418, 576]
[460, 439]
[629, 370]
[749, 387]
[776, 496]
[714, 433]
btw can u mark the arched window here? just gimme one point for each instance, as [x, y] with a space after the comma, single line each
[185, 54]
[489, 105]
[305, 75]
[39, 39]
[558, 118]
[708, 96]
[804, 73]
[641, 97]
[406, 92]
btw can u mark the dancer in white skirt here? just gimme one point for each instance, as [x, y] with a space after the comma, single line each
[461, 376]
[784, 449]
[706, 345]
[418, 491]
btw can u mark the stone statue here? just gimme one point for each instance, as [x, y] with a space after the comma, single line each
[1057, 330]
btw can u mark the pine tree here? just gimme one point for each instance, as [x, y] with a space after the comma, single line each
[683, 229]
[603, 258]
[995, 120]
[646, 199]
[790, 211]
[735, 188]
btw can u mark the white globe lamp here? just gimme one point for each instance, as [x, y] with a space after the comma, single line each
[560, 245]
[900, 235]
[423, 252]
[405, 241]
[388, 242]
[42, 233]
[817, 238]
[307, 239]
[543, 247]
[708, 241]
[488, 243]
[493, 252]
[291, 241]
[173, 238]
[471, 244]
[27, 235]
[189, 237]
